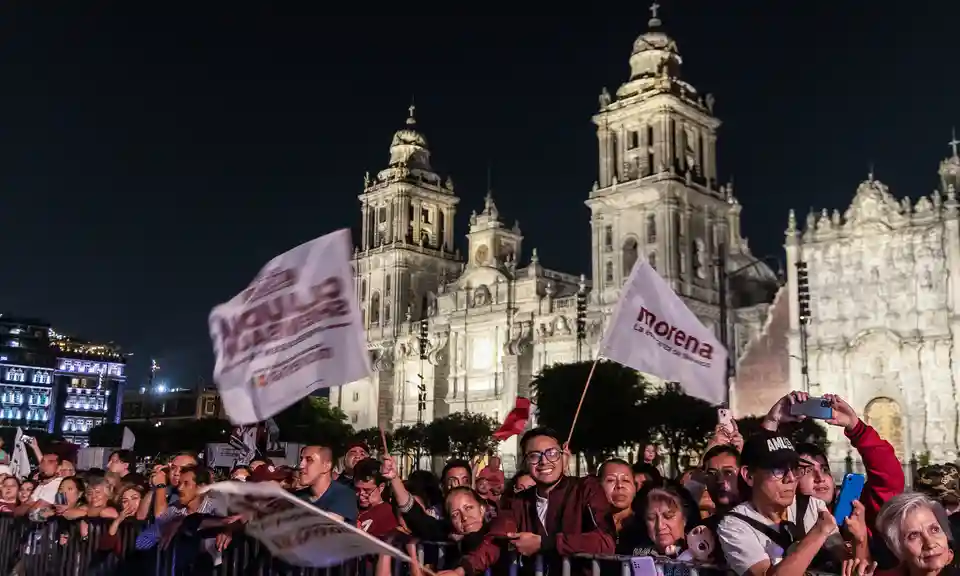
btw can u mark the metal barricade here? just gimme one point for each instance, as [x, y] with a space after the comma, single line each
[86, 547]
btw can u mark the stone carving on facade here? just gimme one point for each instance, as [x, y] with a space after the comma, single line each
[519, 339]
[382, 360]
[481, 296]
[699, 259]
[561, 326]
[605, 98]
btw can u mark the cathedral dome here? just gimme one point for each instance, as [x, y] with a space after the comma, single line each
[409, 146]
[654, 52]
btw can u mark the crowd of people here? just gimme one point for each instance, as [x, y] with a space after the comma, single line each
[754, 506]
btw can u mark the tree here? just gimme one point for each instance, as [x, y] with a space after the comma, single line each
[473, 434]
[610, 410]
[677, 422]
[408, 440]
[371, 437]
[313, 420]
[805, 431]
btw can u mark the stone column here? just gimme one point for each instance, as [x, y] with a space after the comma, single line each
[603, 140]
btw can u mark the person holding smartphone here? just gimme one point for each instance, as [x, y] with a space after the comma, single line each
[885, 477]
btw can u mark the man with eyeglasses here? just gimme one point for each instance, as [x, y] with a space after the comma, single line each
[721, 463]
[561, 516]
[376, 515]
[756, 534]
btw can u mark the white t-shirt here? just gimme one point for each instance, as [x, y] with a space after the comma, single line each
[47, 491]
[744, 546]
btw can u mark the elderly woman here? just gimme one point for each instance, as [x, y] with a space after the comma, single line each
[662, 513]
[918, 533]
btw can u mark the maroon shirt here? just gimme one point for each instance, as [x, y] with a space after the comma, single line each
[377, 521]
[579, 521]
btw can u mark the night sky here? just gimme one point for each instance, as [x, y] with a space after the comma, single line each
[153, 158]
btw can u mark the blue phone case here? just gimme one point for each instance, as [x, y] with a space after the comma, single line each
[851, 490]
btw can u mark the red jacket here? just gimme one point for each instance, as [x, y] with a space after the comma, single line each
[884, 472]
[579, 521]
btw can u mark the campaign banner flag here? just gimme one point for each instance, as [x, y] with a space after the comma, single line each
[20, 463]
[295, 329]
[295, 531]
[653, 331]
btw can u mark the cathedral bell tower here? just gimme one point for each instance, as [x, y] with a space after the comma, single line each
[491, 244]
[657, 194]
[407, 236]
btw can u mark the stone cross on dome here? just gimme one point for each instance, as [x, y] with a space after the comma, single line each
[954, 142]
[412, 109]
[654, 20]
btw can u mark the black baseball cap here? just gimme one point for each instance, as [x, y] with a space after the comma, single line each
[768, 451]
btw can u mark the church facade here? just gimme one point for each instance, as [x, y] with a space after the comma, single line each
[496, 316]
[884, 306]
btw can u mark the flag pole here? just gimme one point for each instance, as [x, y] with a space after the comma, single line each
[583, 396]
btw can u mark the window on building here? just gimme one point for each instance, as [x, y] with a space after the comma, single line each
[356, 396]
[629, 256]
[608, 238]
[633, 139]
[363, 290]
[354, 418]
[386, 313]
[608, 272]
[375, 309]
[388, 283]
[651, 228]
[425, 215]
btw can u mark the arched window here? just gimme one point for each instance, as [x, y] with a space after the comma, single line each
[387, 286]
[608, 272]
[375, 309]
[363, 290]
[651, 228]
[629, 256]
[386, 313]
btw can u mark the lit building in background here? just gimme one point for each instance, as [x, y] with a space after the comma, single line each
[160, 404]
[88, 383]
[27, 364]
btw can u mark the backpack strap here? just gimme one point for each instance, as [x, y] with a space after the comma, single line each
[803, 502]
[780, 538]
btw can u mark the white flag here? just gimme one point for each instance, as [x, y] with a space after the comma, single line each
[20, 463]
[128, 439]
[296, 328]
[653, 331]
[295, 531]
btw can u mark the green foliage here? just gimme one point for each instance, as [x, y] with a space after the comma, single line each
[408, 440]
[610, 410]
[462, 435]
[677, 422]
[313, 420]
[805, 431]
[371, 437]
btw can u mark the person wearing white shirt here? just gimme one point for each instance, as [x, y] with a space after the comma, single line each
[756, 535]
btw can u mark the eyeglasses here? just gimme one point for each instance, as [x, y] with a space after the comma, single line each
[781, 473]
[550, 455]
[722, 473]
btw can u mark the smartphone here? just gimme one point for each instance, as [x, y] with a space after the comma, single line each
[60, 499]
[725, 419]
[850, 490]
[819, 408]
